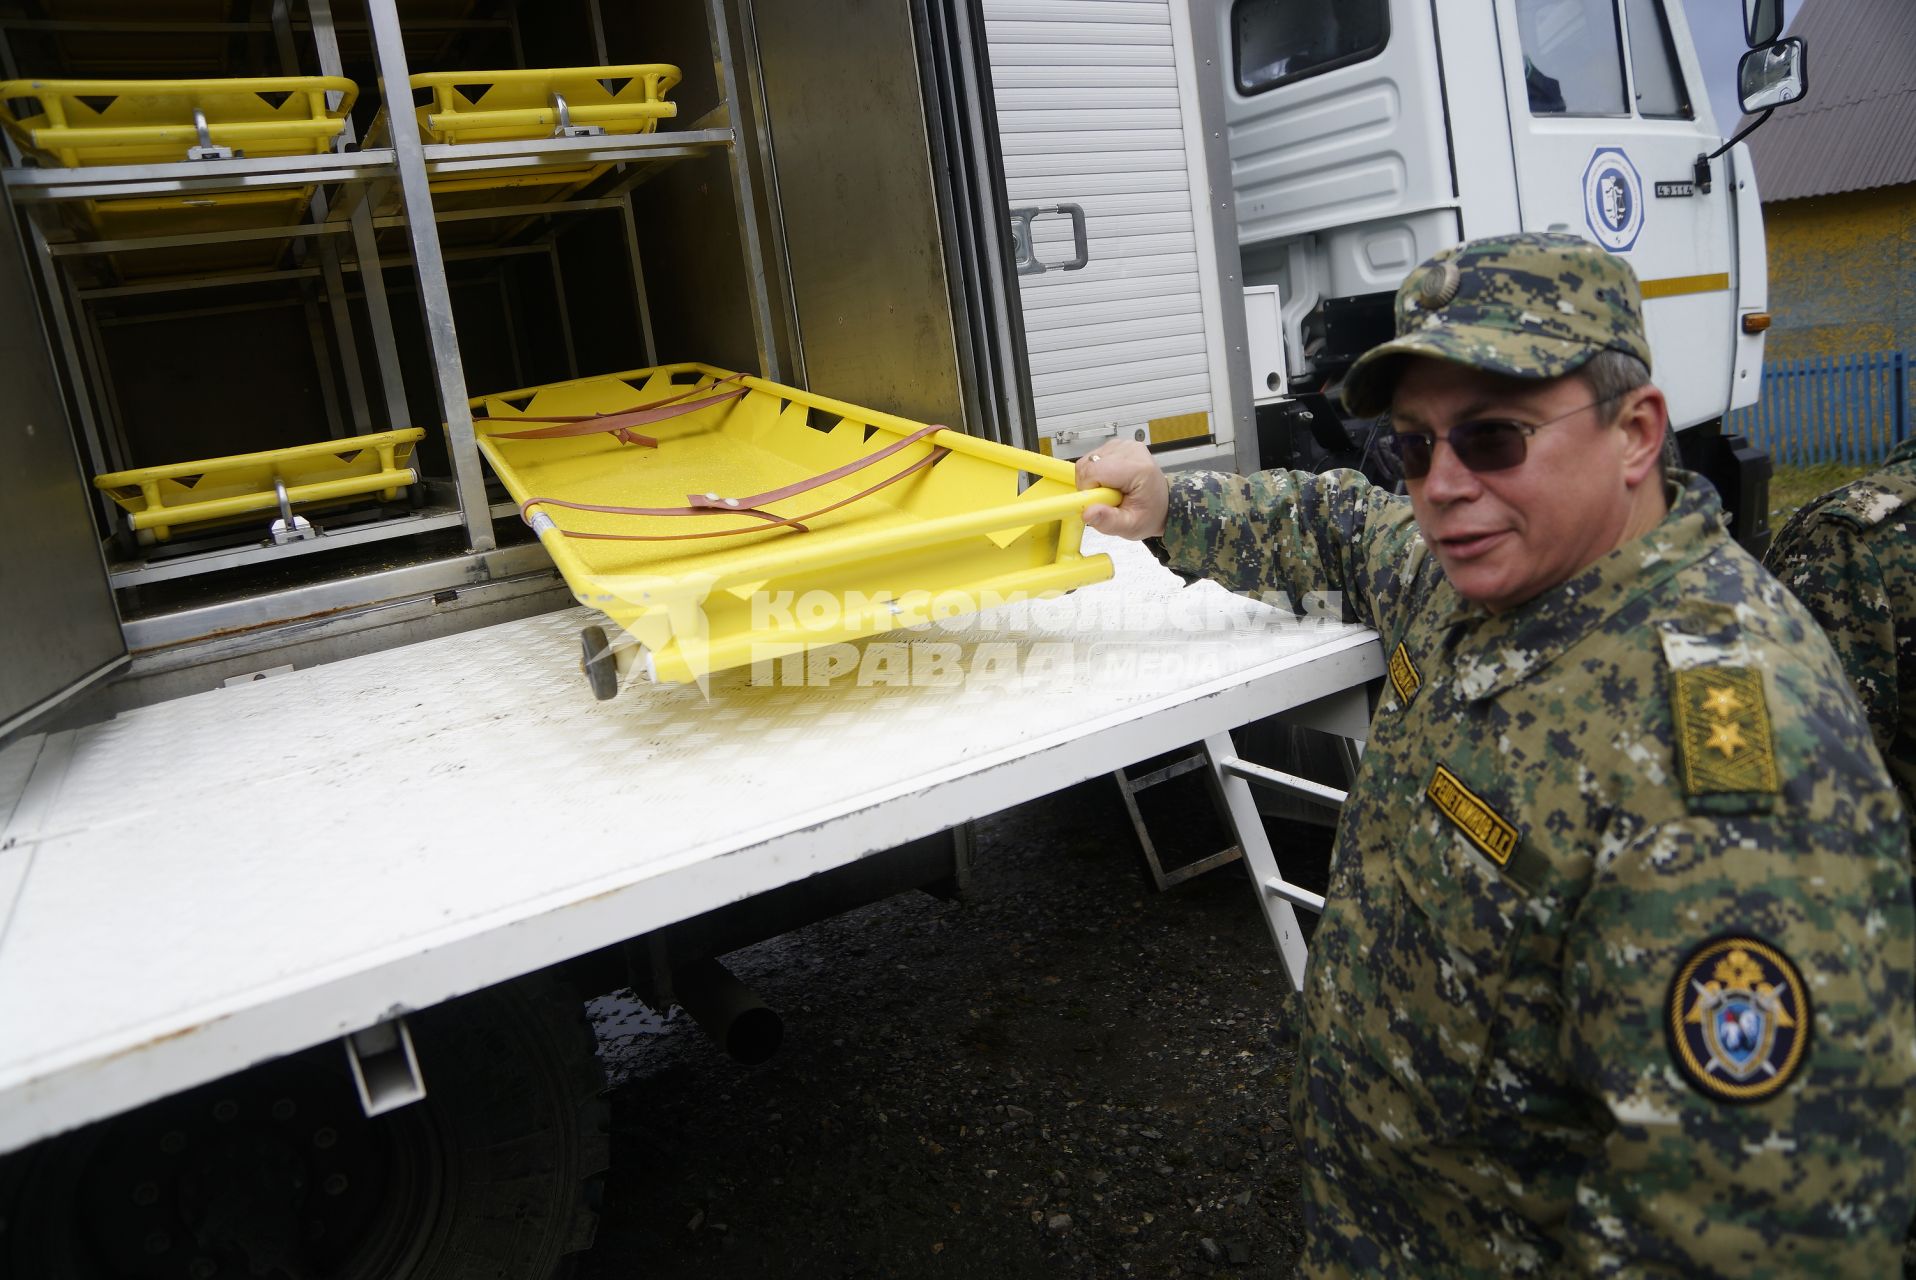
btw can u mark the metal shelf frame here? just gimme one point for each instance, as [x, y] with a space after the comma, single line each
[140, 573]
[353, 189]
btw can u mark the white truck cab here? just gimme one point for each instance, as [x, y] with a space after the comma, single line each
[1366, 134]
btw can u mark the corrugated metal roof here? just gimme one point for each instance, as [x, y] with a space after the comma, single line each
[1857, 127]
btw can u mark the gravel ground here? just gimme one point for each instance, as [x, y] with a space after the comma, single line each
[1066, 1073]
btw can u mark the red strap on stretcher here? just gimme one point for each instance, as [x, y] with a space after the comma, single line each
[711, 504]
[620, 423]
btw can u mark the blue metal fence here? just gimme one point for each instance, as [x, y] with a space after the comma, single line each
[1851, 409]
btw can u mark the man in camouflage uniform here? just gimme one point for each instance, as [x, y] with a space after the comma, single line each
[1850, 556]
[1616, 975]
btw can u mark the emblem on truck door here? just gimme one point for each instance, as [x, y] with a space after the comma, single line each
[1613, 199]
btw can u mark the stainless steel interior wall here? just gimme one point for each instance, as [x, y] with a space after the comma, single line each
[846, 115]
[60, 627]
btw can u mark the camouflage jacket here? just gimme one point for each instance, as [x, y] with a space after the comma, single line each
[1616, 975]
[1850, 556]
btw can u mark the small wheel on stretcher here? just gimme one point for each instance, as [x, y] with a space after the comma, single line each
[595, 659]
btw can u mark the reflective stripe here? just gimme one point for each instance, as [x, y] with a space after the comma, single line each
[1674, 286]
[1183, 426]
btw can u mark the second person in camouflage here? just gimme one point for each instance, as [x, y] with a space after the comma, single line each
[1616, 972]
[1850, 556]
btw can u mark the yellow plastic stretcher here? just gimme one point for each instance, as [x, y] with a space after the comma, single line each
[509, 106]
[496, 106]
[85, 123]
[75, 123]
[738, 581]
[217, 491]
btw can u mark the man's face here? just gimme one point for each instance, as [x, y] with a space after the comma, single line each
[1504, 537]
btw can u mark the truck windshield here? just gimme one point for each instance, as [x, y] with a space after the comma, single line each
[1572, 57]
[1277, 41]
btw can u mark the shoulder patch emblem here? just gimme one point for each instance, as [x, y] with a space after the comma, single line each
[1403, 674]
[1493, 834]
[1738, 1018]
[1723, 731]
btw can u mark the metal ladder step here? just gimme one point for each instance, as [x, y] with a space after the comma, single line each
[1278, 898]
[1232, 778]
[1130, 786]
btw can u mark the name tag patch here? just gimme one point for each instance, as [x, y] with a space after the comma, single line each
[1493, 834]
[1403, 674]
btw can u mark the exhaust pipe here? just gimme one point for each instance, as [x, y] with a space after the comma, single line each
[744, 1025]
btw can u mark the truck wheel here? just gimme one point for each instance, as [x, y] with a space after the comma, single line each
[275, 1171]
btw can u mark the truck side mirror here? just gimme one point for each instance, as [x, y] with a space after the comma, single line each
[1772, 77]
[1762, 22]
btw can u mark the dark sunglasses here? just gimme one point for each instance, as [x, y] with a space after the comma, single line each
[1487, 444]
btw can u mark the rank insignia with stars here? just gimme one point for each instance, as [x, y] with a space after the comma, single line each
[1738, 1019]
[1724, 745]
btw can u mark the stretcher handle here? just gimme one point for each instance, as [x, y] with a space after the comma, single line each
[621, 422]
[711, 505]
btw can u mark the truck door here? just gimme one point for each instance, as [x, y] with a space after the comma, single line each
[58, 626]
[1608, 114]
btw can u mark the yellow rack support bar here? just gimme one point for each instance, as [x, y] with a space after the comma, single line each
[385, 442]
[184, 88]
[544, 119]
[54, 139]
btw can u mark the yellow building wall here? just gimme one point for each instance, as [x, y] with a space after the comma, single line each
[1842, 273]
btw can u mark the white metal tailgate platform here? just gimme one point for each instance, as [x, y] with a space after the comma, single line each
[197, 886]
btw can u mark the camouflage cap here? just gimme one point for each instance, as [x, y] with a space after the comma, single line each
[1534, 305]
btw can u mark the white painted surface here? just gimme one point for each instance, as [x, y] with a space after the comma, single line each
[1752, 274]
[1264, 324]
[239, 874]
[1344, 178]
[1467, 35]
[1349, 145]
